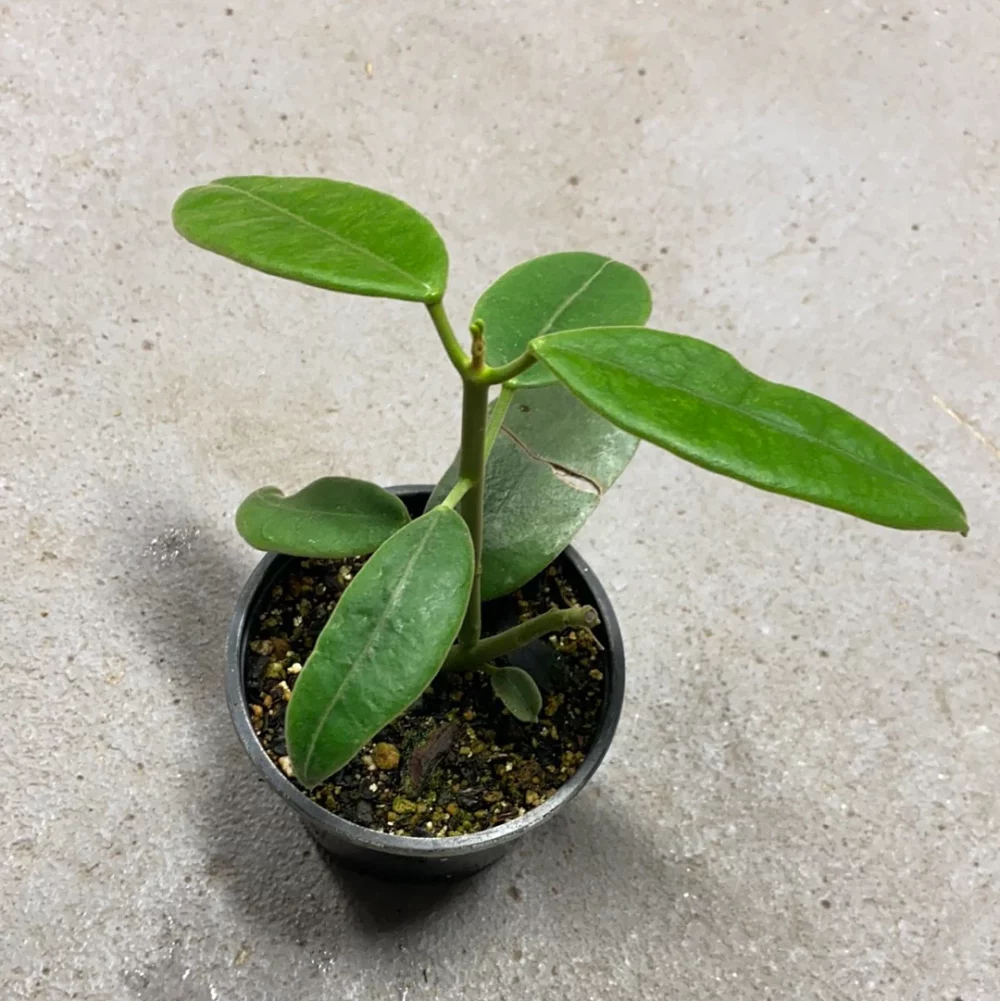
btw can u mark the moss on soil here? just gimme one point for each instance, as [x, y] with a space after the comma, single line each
[456, 761]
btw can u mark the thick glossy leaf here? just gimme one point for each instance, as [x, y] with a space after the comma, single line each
[333, 517]
[328, 233]
[697, 401]
[385, 641]
[557, 292]
[517, 690]
[550, 465]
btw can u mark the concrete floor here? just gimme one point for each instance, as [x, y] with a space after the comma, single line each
[802, 801]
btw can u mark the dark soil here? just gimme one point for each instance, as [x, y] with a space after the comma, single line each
[456, 761]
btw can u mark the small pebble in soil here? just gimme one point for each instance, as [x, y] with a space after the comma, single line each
[386, 756]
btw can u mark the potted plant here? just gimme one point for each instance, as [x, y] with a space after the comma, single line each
[425, 675]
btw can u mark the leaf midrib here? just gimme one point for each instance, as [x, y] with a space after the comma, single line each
[387, 612]
[327, 515]
[336, 237]
[760, 420]
[570, 299]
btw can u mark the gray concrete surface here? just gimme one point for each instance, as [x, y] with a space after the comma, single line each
[802, 801]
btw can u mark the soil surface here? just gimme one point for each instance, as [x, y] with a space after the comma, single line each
[456, 761]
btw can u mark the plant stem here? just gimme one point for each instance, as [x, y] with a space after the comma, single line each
[443, 326]
[552, 621]
[491, 376]
[463, 485]
[457, 492]
[497, 416]
[472, 468]
[469, 491]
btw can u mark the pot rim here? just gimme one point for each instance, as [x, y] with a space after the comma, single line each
[406, 845]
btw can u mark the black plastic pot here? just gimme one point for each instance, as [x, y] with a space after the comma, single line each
[407, 858]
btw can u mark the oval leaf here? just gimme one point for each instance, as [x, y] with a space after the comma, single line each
[550, 465]
[517, 690]
[333, 517]
[384, 643]
[557, 292]
[698, 401]
[332, 234]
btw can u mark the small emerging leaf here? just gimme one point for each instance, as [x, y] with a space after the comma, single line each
[331, 518]
[557, 292]
[517, 690]
[698, 401]
[332, 234]
[385, 641]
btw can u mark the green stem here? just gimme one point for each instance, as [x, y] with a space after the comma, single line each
[457, 492]
[472, 469]
[553, 621]
[497, 416]
[502, 373]
[463, 485]
[443, 326]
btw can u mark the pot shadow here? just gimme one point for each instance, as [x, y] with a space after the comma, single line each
[577, 878]
[381, 907]
[281, 886]
[182, 589]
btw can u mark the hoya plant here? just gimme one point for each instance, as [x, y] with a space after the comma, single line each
[580, 380]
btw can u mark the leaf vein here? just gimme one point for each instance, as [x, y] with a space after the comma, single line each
[760, 419]
[570, 299]
[336, 237]
[387, 612]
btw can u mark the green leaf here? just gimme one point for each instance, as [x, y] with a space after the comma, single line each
[332, 517]
[384, 643]
[557, 292]
[332, 234]
[517, 690]
[697, 401]
[553, 460]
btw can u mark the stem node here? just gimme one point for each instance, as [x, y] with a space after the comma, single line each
[478, 330]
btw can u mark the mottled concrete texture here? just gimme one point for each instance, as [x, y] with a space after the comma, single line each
[802, 801]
